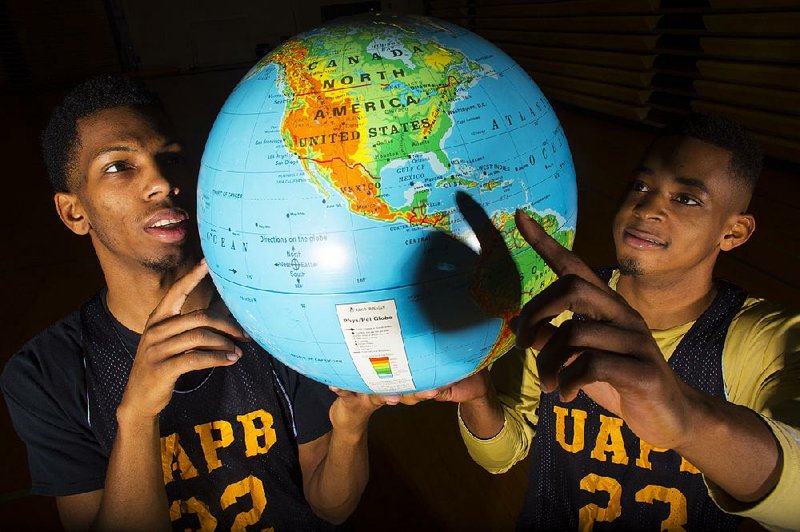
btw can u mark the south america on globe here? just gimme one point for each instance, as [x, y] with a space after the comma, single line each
[356, 201]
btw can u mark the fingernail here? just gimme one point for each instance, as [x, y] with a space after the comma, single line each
[233, 357]
[391, 399]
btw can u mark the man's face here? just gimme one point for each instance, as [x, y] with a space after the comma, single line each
[129, 173]
[681, 204]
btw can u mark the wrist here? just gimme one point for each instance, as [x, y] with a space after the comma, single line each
[697, 418]
[350, 433]
[482, 416]
[130, 417]
[726, 433]
[351, 421]
[481, 402]
[486, 399]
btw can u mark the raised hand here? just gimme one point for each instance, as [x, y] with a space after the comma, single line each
[173, 344]
[610, 354]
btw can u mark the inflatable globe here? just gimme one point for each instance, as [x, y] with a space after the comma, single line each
[356, 201]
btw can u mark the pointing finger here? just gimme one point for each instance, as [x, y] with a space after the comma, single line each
[176, 296]
[561, 260]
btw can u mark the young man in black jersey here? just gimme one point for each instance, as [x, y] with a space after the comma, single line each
[150, 406]
[665, 399]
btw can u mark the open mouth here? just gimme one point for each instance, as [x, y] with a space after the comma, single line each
[643, 240]
[169, 226]
[167, 222]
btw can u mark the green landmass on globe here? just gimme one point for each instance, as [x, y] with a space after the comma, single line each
[338, 157]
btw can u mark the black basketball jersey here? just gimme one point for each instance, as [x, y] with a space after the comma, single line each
[228, 449]
[589, 470]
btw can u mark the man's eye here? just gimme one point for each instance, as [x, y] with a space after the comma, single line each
[174, 158]
[116, 167]
[638, 186]
[685, 199]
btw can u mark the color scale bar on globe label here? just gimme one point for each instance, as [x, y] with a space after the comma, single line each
[372, 333]
[381, 367]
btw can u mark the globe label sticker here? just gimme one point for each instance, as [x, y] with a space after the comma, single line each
[373, 337]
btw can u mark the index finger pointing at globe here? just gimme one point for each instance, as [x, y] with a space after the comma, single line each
[327, 201]
[561, 260]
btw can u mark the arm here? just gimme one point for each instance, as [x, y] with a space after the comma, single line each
[133, 477]
[134, 489]
[172, 344]
[778, 510]
[78, 511]
[497, 410]
[335, 466]
[498, 427]
[768, 384]
[85, 511]
[613, 358]
[730, 434]
[478, 406]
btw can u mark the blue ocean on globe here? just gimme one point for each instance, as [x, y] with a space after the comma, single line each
[356, 201]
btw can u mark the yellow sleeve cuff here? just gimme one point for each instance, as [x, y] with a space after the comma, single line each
[499, 453]
[779, 510]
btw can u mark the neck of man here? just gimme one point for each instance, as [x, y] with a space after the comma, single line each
[670, 299]
[134, 291]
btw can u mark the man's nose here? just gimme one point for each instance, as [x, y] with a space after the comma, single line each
[650, 206]
[158, 184]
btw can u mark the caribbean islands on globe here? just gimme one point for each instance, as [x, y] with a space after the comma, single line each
[356, 201]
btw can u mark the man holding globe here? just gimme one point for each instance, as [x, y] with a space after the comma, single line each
[150, 405]
[666, 389]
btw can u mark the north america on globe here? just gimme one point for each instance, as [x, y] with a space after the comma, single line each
[357, 195]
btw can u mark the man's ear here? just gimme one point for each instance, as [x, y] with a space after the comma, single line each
[740, 230]
[71, 212]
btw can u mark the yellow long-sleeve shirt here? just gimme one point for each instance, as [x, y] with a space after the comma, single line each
[761, 370]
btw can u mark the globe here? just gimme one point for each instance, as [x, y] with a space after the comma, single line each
[356, 201]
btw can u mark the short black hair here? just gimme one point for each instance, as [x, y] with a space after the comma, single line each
[747, 158]
[60, 136]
